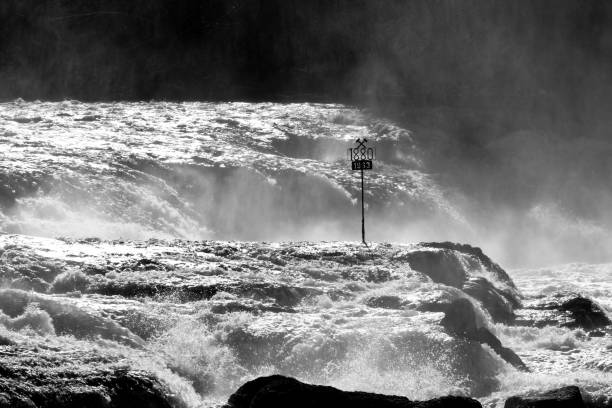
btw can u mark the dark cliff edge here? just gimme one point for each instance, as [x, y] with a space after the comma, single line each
[279, 391]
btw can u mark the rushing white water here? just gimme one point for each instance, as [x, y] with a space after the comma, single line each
[561, 356]
[129, 184]
[204, 170]
[298, 309]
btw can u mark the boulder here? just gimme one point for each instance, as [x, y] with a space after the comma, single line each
[38, 378]
[566, 397]
[476, 253]
[442, 266]
[499, 304]
[461, 266]
[564, 309]
[460, 320]
[281, 392]
[586, 313]
[385, 302]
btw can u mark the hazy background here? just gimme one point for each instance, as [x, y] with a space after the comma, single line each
[509, 101]
[548, 59]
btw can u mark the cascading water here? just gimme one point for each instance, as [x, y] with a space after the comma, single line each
[197, 170]
[139, 194]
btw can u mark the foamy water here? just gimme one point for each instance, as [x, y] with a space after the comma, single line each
[137, 190]
[203, 170]
[234, 311]
[561, 356]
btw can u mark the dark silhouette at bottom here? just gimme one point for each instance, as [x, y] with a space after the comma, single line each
[566, 397]
[281, 392]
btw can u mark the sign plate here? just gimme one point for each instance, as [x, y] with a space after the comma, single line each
[361, 158]
[361, 164]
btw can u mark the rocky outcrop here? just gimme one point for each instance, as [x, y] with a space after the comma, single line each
[565, 309]
[462, 266]
[36, 378]
[566, 397]
[499, 304]
[460, 320]
[475, 253]
[585, 313]
[442, 266]
[280, 392]
[385, 302]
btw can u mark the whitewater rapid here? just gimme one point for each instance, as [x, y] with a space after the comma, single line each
[207, 316]
[205, 170]
[116, 253]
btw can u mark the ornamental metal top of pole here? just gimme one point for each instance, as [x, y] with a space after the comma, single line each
[361, 159]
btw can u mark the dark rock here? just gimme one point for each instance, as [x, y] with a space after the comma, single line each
[375, 275]
[565, 309]
[477, 253]
[511, 357]
[566, 397]
[586, 313]
[89, 118]
[277, 391]
[60, 380]
[145, 264]
[499, 304]
[221, 307]
[384, 302]
[451, 264]
[597, 333]
[460, 320]
[287, 296]
[138, 289]
[441, 266]
[283, 295]
[5, 341]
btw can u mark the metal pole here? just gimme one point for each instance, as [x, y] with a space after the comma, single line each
[362, 212]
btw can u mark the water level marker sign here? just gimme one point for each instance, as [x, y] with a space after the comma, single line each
[361, 158]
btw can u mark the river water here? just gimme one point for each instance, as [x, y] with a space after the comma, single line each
[138, 227]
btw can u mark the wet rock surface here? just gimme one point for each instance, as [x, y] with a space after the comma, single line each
[476, 253]
[278, 391]
[440, 265]
[565, 309]
[499, 304]
[566, 397]
[467, 268]
[460, 320]
[35, 378]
